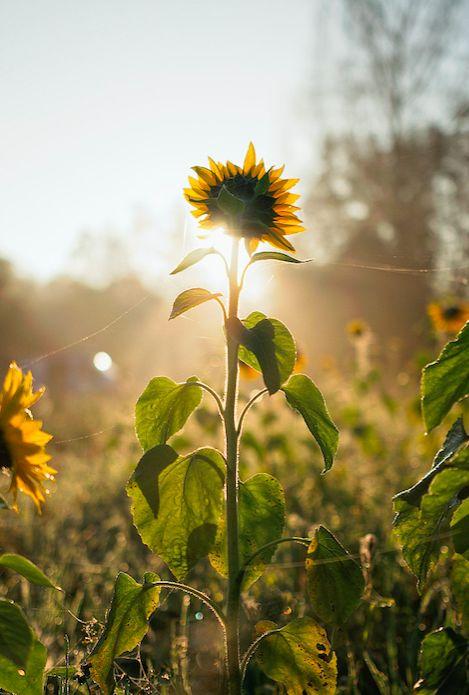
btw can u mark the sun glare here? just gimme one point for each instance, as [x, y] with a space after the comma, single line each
[102, 361]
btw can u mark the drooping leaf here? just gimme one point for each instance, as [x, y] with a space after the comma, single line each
[126, 625]
[423, 530]
[304, 396]
[299, 656]
[268, 347]
[261, 518]
[460, 587]
[455, 438]
[274, 256]
[28, 680]
[176, 503]
[26, 568]
[192, 258]
[229, 203]
[335, 579]
[163, 409]
[190, 299]
[446, 381]
[442, 664]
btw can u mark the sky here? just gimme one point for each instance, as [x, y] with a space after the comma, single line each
[106, 104]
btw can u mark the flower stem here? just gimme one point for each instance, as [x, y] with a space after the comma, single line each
[232, 480]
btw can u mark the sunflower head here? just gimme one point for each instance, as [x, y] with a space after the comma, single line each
[22, 441]
[448, 317]
[251, 202]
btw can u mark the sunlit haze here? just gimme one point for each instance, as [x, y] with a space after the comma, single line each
[105, 106]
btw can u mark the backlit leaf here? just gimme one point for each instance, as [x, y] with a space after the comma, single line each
[28, 680]
[163, 409]
[442, 664]
[304, 396]
[176, 503]
[26, 568]
[126, 625]
[192, 258]
[423, 530]
[299, 656]
[335, 579]
[446, 381]
[190, 299]
[268, 347]
[16, 637]
[274, 256]
[229, 203]
[261, 519]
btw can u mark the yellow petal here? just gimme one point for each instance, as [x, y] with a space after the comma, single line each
[250, 159]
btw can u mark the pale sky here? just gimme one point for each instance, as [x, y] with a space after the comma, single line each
[105, 104]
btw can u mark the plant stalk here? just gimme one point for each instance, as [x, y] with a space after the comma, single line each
[232, 480]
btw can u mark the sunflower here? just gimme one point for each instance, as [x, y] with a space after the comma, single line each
[250, 202]
[448, 317]
[22, 442]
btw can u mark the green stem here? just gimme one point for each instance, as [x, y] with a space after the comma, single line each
[232, 480]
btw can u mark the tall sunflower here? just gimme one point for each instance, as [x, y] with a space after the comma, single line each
[448, 317]
[251, 201]
[22, 442]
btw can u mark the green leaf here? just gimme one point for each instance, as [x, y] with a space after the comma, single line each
[126, 625]
[442, 664]
[446, 381]
[460, 528]
[422, 531]
[28, 680]
[229, 203]
[335, 580]
[192, 258]
[455, 438]
[176, 503]
[274, 256]
[305, 397]
[62, 671]
[16, 637]
[460, 587]
[163, 409]
[300, 657]
[190, 299]
[261, 518]
[26, 568]
[268, 346]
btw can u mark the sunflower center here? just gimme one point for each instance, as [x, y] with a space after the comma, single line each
[6, 460]
[451, 312]
[258, 214]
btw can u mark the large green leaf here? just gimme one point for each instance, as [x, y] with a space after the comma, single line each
[422, 530]
[261, 518]
[460, 528]
[126, 625]
[460, 587]
[163, 409]
[442, 664]
[268, 347]
[300, 657]
[190, 299]
[26, 568]
[16, 637]
[192, 258]
[455, 438]
[28, 680]
[446, 381]
[176, 503]
[335, 580]
[304, 396]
